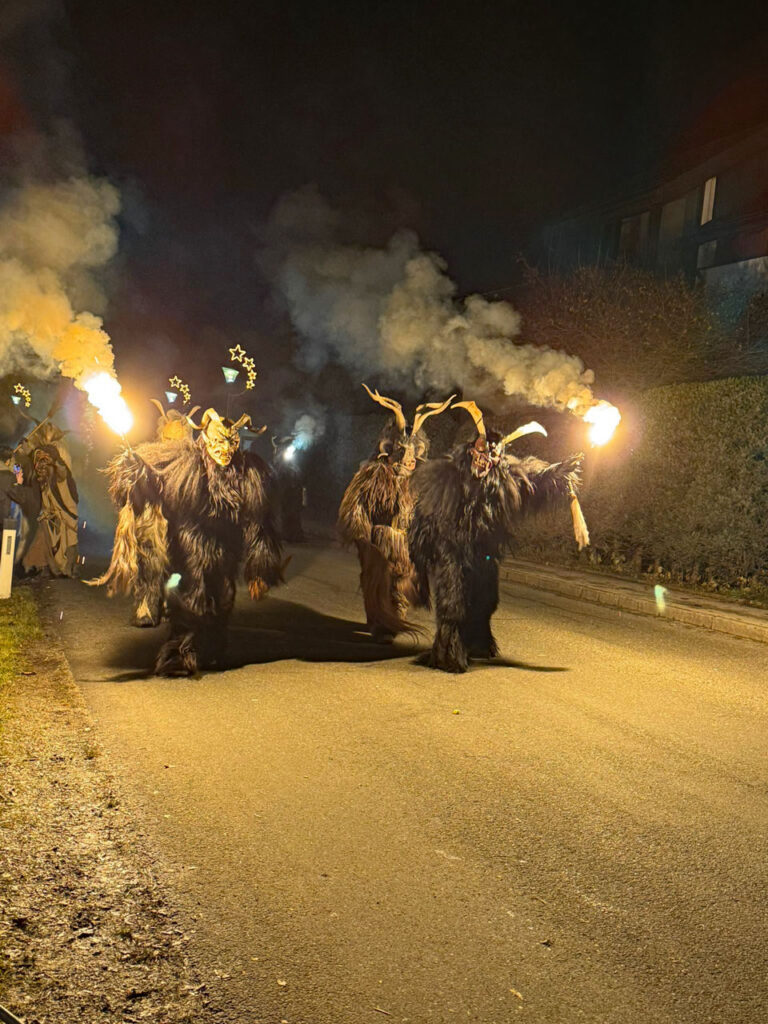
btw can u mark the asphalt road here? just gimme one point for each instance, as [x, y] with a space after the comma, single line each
[578, 834]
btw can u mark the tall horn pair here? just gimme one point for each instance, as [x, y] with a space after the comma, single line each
[528, 428]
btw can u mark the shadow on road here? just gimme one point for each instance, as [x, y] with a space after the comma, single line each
[275, 630]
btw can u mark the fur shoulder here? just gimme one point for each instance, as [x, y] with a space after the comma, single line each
[436, 486]
[373, 490]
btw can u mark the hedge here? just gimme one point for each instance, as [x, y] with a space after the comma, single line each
[682, 490]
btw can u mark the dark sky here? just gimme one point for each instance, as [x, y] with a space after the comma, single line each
[470, 122]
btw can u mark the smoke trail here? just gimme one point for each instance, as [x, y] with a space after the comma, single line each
[392, 314]
[53, 238]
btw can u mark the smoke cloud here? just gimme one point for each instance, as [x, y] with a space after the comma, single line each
[391, 316]
[53, 240]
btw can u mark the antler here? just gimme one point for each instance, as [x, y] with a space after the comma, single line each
[475, 413]
[432, 409]
[391, 404]
[529, 428]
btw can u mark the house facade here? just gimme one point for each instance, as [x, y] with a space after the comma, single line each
[707, 218]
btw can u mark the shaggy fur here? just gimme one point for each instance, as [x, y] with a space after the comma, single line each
[460, 529]
[374, 515]
[182, 513]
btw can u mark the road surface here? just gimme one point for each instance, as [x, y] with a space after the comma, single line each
[576, 834]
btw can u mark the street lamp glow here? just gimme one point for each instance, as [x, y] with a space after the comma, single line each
[230, 374]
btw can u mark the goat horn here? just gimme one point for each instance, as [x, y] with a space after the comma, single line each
[529, 428]
[432, 409]
[244, 421]
[474, 412]
[392, 405]
[160, 409]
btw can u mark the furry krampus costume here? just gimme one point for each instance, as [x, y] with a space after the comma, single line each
[466, 508]
[197, 509]
[375, 513]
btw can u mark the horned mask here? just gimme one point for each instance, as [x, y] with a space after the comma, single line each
[488, 452]
[220, 435]
[173, 424]
[409, 447]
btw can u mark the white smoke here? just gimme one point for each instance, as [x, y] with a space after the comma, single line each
[53, 240]
[391, 315]
[307, 429]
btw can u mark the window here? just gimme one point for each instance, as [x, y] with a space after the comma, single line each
[633, 236]
[708, 201]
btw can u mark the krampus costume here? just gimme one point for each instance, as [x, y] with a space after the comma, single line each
[197, 508]
[375, 513]
[466, 508]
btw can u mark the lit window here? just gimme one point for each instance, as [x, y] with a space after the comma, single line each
[708, 202]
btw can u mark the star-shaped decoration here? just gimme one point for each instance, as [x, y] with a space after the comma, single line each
[19, 389]
[250, 383]
[175, 383]
[249, 364]
[237, 354]
[186, 394]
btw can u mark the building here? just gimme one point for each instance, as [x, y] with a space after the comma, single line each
[706, 218]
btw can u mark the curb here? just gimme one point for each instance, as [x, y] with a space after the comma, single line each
[683, 608]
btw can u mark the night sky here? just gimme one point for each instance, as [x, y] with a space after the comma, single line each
[471, 123]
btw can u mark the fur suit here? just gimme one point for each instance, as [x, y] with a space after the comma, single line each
[185, 511]
[375, 513]
[466, 508]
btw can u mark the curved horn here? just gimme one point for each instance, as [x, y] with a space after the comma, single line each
[475, 413]
[392, 405]
[528, 428]
[431, 409]
[160, 409]
[259, 432]
[384, 452]
[244, 421]
[208, 415]
[192, 411]
[273, 439]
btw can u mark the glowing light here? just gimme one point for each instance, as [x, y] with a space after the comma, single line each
[173, 581]
[104, 393]
[660, 593]
[16, 399]
[603, 419]
[171, 396]
[230, 374]
[289, 452]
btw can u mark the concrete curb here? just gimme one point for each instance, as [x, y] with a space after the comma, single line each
[628, 596]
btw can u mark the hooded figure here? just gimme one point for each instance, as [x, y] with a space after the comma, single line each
[466, 509]
[375, 514]
[193, 511]
[49, 491]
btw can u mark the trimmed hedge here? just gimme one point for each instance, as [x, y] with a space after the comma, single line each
[682, 490]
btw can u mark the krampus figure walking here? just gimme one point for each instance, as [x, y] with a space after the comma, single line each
[466, 508]
[196, 509]
[375, 513]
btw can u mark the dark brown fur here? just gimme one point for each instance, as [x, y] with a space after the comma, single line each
[182, 513]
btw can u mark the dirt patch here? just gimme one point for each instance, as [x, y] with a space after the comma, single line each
[87, 932]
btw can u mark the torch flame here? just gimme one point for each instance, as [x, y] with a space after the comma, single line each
[603, 419]
[104, 392]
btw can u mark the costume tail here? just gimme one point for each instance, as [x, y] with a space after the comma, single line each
[382, 594]
[139, 553]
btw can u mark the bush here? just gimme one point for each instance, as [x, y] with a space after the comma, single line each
[682, 490]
